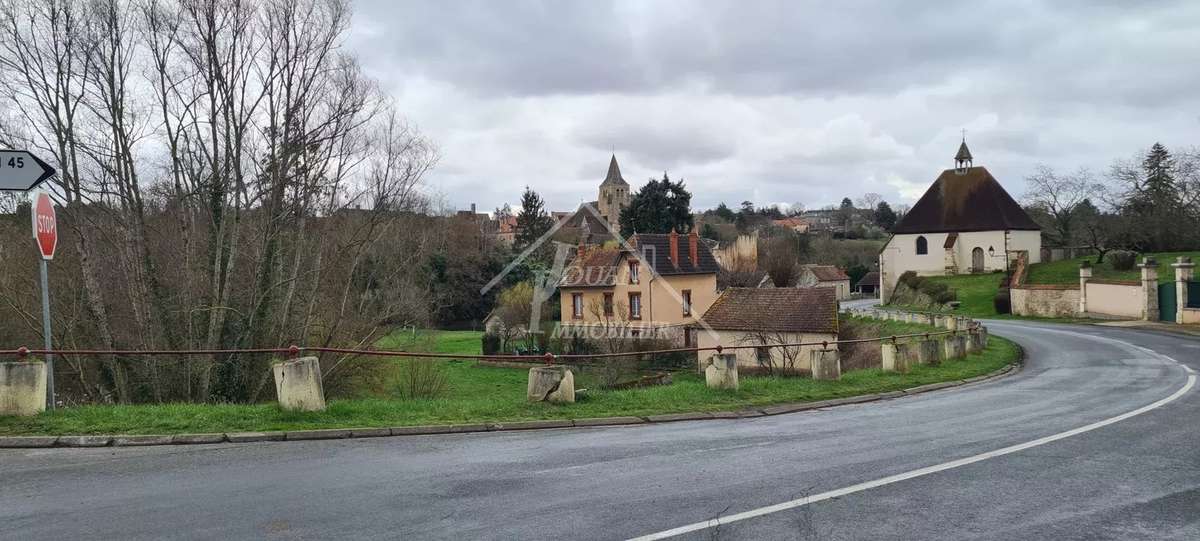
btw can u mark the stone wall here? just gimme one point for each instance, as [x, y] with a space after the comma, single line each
[1045, 301]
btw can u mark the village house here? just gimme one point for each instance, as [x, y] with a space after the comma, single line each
[965, 223]
[825, 276]
[656, 287]
[771, 317]
[795, 223]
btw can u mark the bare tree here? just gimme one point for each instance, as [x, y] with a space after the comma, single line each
[1059, 196]
[774, 355]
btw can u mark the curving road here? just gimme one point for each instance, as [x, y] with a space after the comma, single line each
[920, 467]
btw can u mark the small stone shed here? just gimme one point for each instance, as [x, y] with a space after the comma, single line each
[771, 317]
[825, 276]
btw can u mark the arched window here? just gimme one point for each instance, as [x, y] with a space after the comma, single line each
[922, 246]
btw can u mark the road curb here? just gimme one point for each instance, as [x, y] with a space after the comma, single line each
[34, 442]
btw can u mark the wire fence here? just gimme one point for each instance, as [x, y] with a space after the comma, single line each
[546, 358]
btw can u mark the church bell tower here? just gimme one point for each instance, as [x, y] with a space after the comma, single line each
[614, 194]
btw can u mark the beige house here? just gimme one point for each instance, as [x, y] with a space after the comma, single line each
[965, 223]
[825, 276]
[655, 287]
[771, 317]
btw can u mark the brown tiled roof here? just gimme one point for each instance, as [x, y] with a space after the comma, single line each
[971, 201]
[598, 268]
[656, 248]
[869, 279]
[783, 309]
[827, 273]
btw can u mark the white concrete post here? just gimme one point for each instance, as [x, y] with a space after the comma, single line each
[1149, 289]
[951, 323]
[929, 351]
[826, 364]
[722, 372]
[22, 388]
[1085, 274]
[887, 356]
[1184, 270]
[298, 384]
[951, 348]
[554, 384]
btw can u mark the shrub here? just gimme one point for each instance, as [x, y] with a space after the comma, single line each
[421, 378]
[1122, 260]
[1002, 302]
[491, 343]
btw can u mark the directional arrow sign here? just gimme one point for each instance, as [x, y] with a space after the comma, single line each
[21, 171]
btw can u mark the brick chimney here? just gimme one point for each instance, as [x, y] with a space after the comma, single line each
[694, 247]
[674, 238]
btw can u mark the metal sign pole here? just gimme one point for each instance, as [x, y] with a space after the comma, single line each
[46, 335]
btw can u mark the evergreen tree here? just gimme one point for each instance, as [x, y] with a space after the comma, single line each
[846, 212]
[1153, 204]
[709, 232]
[532, 221]
[885, 217]
[658, 207]
[725, 213]
[1159, 183]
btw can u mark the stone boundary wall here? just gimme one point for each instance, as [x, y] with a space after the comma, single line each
[1040, 300]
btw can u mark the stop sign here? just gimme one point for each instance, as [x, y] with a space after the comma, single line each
[45, 229]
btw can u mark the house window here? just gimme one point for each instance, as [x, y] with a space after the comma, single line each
[633, 272]
[689, 338]
[636, 334]
[577, 305]
[763, 355]
[687, 302]
[922, 246]
[635, 306]
[608, 304]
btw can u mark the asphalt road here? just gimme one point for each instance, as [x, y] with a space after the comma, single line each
[1135, 478]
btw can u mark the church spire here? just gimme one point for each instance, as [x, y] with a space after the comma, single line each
[614, 174]
[963, 160]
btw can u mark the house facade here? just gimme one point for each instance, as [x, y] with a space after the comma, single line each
[765, 320]
[656, 287]
[825, 276]
[964, 223]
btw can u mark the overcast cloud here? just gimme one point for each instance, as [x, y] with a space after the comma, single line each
[778, 102]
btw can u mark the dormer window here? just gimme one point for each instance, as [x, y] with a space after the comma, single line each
[633, 272]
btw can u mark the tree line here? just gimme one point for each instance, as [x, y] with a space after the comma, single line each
[228, 178]
[1149, 203]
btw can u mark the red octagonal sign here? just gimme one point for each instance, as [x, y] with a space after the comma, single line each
[45, 229]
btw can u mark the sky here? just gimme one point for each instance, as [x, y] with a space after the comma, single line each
[778, 102]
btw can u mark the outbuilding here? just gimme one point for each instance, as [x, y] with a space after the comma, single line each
[763, 323]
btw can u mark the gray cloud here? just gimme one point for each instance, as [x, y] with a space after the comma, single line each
[778, 101]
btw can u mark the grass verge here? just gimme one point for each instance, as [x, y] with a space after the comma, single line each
[481, 394]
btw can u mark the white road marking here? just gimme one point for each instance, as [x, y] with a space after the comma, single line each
[801, 502]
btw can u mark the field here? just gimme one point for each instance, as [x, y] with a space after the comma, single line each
[479, 393]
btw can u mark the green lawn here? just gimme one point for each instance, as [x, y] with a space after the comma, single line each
[1067, 270]
[975, 293]
[434, 341]
[479, 393]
